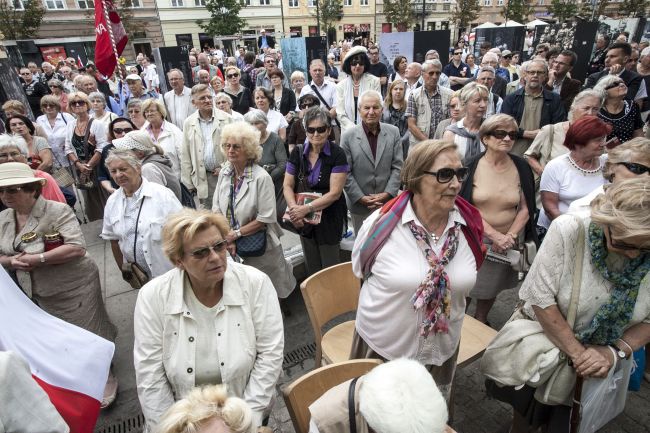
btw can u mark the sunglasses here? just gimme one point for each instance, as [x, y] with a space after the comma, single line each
[11, 190]
[122, 130]
[49, 106]
[445, 175]
[635, 168]
[458, 53]
[319, 129]
[232, 75]
[501, 134]
[623, 246]
[25, 73]
[307, 105]
[234, 147]
[202, 253]
[615, 85]
[356, 63]
[77, 103]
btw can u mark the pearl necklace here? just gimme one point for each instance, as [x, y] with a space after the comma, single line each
[434, 237]
[584, 171]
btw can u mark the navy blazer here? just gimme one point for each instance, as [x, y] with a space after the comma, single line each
[552, 110]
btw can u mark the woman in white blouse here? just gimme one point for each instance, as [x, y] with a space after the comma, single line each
[418, 257]
[54, 122]
[264, 101]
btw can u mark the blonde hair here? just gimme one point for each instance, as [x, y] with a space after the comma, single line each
[636, 150]
[246, 135]
[184, 225]
[625, 207]
[157, 104]
[388, 102]
[420, 158]
[201, 405]
[470, 90]
[78, 96]
[229, 68]
[51, 100]
[492, 122]
[14, 105]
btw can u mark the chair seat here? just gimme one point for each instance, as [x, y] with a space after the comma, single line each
[337, 343]
[474, 338]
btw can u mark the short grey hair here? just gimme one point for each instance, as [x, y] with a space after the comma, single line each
[12, 140]
[370, 94]
[123, 155]
[541, 62]
[319, 60]
[222, 95]
[602, 84]
[429, 63]
[198, 89]
[314, 114]
[97, 95]
[256, 116]
[132, 102]
[487, 69]
[589, 93]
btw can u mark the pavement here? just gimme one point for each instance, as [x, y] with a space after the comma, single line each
[474, 412]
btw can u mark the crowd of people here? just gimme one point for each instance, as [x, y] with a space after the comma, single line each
[447, 172]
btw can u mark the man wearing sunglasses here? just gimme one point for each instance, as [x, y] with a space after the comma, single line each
[374, 153]
[34, 90]
[270, 63]
[615, 61]
[457, 70]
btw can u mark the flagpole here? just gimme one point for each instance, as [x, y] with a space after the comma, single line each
[110, 32]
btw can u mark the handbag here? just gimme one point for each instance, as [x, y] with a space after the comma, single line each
[62, 176]
[253, 245]
[132, 273]
[528, 251]
[522, 354]
[281, 202]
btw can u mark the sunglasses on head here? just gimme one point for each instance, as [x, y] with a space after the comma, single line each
[614, 85]
[623, 246]
[122, 130]
[11, 190]
[202, 253]
[501, 134]
[635, 168]
[319, 129]
[445, 175]
[232, 75]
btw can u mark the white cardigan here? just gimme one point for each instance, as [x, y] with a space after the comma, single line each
[345, 98]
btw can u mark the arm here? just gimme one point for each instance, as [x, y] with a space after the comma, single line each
[57, 256]
[393, 184]
[448, 136]
[282, 133]
[534, 164]
[117, 253]
[352, 188]
[46, 159]
[550, 202]
[519, 224]
[337, 181]
[186, 159]
[412, 112]
[280, 161]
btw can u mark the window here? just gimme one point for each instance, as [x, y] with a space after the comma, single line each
[293, 3]
[177, 3]
[432, 7]
[85, 4]
[136, 4]
[265, 2]
[55, 4]
[311, 3]
[248, 2]
[198, 3]
[363, 2]
[18, 5]
[540, 2]
[347, 2]
[499, 2]
[445, 7]
[487, 2]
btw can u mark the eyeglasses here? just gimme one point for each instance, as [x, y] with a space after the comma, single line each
[306, 105]
[49, 106]
[501, 134]
[11, 190]
[122, 130]
[77, 103]
[133, 111]
[232, 146]
[25, 73]
[150, 112]
[202, 253]
[634, 167]
[205, 98]
[232, 75]
[507, 57]
[458, 53]
[615, 85]
[533, 72]
[624, 246]
[434, 73]
[319, 129]
[13, 155]
[445, 175]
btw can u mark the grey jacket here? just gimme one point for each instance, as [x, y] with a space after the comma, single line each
[164, 164]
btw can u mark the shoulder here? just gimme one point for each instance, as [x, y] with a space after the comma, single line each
[160, 288]
[247, 278]
[259, 174]
[390, 129]
[155, 190]
[445, 91]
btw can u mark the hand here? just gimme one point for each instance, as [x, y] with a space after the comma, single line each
[551, 77]
[231, 237]
[615, 69]
[594, 361]
[501, 243]
[367, 201]
[232, 249]
[216, 171]
[84, 168]
[24, 262]
[297, 213]
[289, 117]
[381, 198]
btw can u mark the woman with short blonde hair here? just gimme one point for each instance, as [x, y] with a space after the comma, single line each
[242, 98]
[473, 98]
[163, 133]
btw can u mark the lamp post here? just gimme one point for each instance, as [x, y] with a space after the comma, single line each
[317, 17]
[424, 10]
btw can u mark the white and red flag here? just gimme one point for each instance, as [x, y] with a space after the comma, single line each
[110, 37]
[70, 363]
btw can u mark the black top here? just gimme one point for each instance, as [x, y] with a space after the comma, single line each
[241, 102]
[378, 70]
[624, 123]
[34, 92]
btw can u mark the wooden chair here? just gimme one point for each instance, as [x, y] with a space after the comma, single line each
[301, 393]
[474, 338]
[328, 294]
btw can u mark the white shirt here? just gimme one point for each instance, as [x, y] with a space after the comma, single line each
[327, 91]
[97, 129]
[170, 140]
[582, 206]
[209, 158]
[385, 318]
[276, 121]
[151, 77]
[180, 106]
[56, 136]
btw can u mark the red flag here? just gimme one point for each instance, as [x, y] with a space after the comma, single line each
[105, 47]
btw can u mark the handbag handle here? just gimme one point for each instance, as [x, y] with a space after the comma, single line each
[135, 238]
[351, 406]
[86, 137]
[577, 274]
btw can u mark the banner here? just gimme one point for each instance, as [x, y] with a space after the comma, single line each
[395, 44]
[504, 38]
[294, 55]
[53, 54]
[110, 37]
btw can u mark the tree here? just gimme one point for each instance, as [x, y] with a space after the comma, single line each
[517, 10]
[21, 24]
[466, 11]
[563, 10]
[400, 13]
[329, 12]
[224, 18]
[587, 8]
[633, 8]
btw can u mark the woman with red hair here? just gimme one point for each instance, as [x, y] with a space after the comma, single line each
[575, 174]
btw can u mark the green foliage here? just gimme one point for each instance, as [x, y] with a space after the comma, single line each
[224, 18]
[517, 10]
[400, 13]
[634, 8]
[329, 12]
[563, 10]
[466, 11]
[21, 24]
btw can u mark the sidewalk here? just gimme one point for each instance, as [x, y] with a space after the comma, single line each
[474, 412]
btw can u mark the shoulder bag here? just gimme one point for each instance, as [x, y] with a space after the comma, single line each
[352, 419]
[300, 185]
[132, 273]
[253, 245]
[522, 354]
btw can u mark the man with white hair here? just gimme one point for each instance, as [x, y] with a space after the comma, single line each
[178, 100]
[270, 63]
[49, 73]
[433, 55]
[486, 77]
[68, 84]
[396, 397]
[375, 155]
[204, 64]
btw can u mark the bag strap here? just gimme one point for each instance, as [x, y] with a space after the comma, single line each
[231, 205]
[315, 89]
[577, 274]
[137, 220]
[351, 406]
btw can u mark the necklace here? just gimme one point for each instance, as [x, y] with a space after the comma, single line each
[434, 237]
[584, 171]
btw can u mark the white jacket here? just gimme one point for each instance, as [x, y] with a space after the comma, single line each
[170, 140]
[249, 332]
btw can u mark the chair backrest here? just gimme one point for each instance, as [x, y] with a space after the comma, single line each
[301, 393]
[330, 293]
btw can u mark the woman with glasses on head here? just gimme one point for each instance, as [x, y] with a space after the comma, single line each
[418, 257]
[135, 113]
[58, 91]
[265, 102]
[176, 347]
[321, 167]
[618, 111]
[395, 110]
[118, 128]
[224, 103]
[274, 154]
[502, 188]
[40, 152]
[242, 98]
[356, 65]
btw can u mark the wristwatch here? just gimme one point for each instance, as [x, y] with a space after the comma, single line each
[238, 233]
[42, 257]
[620, 354]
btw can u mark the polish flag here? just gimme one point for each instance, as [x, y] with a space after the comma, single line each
[69, 363]
[105, 55]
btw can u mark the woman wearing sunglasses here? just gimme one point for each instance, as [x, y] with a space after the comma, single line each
[242, 98]
[207, 321]
[418, 256]
[502, 188]
[118, 128]
[297, 134]
[618, 111]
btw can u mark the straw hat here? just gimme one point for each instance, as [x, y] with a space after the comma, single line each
[17, 173]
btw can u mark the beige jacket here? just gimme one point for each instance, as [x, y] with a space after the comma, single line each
[329, 414]
[423, 120]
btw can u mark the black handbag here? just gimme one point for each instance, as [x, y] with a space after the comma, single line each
[247, 246]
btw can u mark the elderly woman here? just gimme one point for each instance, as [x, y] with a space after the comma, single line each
[618, 111]
[418, 256]
[284, 100]
[54, 123]
[98, 106]
[357, 65]
[264, 101]
[274, 154]
[574, 174]
[58, 91]
[613, 309]
[224, 103]
[216, 84]
[395, 111]
[40, 152]
[244, 194]
[207, 409]
[549, 143]
[242, 98]
[455, 113]
[135, 214]
[135, 112]
[319, 166]
[473, 99]
[297, 133]
[208, 321]
[58, 275]
[297, 81]
[156, 166]
[163, 133]
[85, 139]
[502, 188]
[118, 128]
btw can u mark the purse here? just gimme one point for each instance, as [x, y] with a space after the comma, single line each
[253, 245]
[63, 177]
[522, 354]
[132, 273]
[527, 252]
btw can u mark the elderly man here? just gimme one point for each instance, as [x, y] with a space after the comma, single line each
[427, 105]
[486, 77]
[597, 62]
[34, 90]
[374, 154]
[68, 84]
[270, 63]
[558, 80]
[413, 75]
[443, 81]
[178, 100]
[100, 82]
[204, 64]
[49, 73]
[615, 61]
[323, 89]
[499, 86]
[201, 155]
[533, 106]
[203, 77]
[136, 91]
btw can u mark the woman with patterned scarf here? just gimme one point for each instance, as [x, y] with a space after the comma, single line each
[613, 310]
[418, 256]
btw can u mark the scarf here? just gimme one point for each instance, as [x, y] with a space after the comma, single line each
[613, 316]
[473, 143]
[434, 292]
